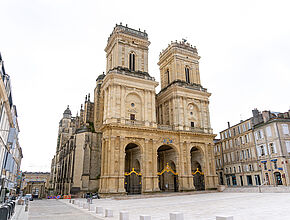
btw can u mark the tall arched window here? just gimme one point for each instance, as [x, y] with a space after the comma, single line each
[187, 74]
[132, 62]
[167, 73]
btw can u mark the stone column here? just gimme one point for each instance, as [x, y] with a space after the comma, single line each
[153, 106]
[154, 164]
[123, 114]
[111, 162]
[145, 158]
[145, 111]
[121, 188]
[185, 121]
[181, 174]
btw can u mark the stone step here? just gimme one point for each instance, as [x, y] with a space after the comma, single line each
[255, 189]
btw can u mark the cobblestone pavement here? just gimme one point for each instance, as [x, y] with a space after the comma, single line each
[55, 210]
[243, 206]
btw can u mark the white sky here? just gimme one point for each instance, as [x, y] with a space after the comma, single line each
[54, 51]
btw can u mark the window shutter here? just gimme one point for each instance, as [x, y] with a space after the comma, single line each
[288, 146]
[285, 129]
[269, 132]
[259, 151]
[274, 147]
[266, 152]
[262, 135]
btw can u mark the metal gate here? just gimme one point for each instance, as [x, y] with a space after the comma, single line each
[198, 180]
[165, 176]
[133, 182]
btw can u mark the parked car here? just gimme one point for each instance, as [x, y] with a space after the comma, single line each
[29, 197]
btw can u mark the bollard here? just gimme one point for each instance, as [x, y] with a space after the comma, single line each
[145, 217]
[176, 216]
[109, 213]
[85, 205]
[69, 201]
[99, 210]
[26, 207]
[73, 202]
[124, 215]
[92, 208]
[224, 218]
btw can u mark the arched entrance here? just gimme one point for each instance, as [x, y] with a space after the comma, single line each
[196, 169]
[133, 182]
[278, 178]
[168, 177]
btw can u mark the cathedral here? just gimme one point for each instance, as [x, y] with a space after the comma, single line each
[129, 140]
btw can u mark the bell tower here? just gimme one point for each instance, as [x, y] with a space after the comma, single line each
[179, 61]
[127, 88]
[182, 103]
[127, 48]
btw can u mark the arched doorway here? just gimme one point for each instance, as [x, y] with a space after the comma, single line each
[166, 164]
[196, 169]
[133, 182]
[278, 178]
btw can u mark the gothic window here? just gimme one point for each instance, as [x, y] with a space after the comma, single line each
[132, 61]
[187, 74]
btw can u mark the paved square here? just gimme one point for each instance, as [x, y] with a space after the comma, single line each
[243, 206]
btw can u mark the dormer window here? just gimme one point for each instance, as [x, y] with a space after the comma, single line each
[187, 75]
[132, 62]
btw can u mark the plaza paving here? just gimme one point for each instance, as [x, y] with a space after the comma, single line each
[243, 206]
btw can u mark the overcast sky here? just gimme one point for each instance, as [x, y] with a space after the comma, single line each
[54, 51]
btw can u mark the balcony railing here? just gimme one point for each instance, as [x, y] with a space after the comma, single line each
[134, 122]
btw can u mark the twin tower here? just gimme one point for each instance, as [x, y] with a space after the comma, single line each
[137, 141]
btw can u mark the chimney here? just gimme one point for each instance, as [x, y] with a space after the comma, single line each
[255, 113]
[229, 125]
[266, 116]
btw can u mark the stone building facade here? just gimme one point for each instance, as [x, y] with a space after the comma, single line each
[255, 151]
[272, 140]
[132, 140]
[36, 184]
[10, 149]
[235, 156]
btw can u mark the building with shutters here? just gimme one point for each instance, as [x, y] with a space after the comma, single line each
[272, 140]
[10, 150]
[130, 139]
[235, 156]
[255, 151]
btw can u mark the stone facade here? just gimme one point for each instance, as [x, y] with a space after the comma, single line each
[255, 151]
[236, 158]
[10, 149]
[272, 140]
[132, 140]
[36, 183]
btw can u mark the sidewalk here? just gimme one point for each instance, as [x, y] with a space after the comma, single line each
[19, 213]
